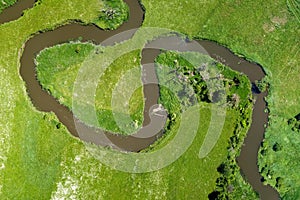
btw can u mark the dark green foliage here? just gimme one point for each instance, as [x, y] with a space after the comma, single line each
[214, 195]
[113, 14]
[227, 185]
[6, 3]
[262, 85]
[238, 93]
[277, 147]
[186, 73]
[236, 85]
[294, 123]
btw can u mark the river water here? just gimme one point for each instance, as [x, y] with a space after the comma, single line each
[15, 11]
[45, 102]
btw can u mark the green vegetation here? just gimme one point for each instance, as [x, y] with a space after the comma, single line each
[262, 85]
[295, 123]
[264, 32]
[230, 184]
[57, 69]
[294, 7]
[114, 13]
[39, 159]
[6, 3]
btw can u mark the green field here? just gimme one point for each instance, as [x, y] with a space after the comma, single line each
[269, 37]
[57, 69]
[62, 178]
[56, 63]
[39, 161]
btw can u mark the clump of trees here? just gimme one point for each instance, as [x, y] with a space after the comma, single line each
[262, 85]
[113, 14]
[229, 169]
[294, 123]
[207, 86]
[109, 14]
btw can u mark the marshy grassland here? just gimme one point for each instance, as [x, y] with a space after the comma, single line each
[40, 161]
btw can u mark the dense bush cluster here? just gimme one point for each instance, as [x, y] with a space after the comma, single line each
[113, 14]
[229, 170]
[238, 99]
[294, 123]
[262, 85]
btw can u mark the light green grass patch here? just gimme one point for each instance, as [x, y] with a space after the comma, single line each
[112, 15]
[57, 70]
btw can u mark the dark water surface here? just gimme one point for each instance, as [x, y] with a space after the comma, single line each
[248, 157]
[45, 102]
[15, 11]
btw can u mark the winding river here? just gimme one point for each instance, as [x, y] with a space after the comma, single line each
[45, 102]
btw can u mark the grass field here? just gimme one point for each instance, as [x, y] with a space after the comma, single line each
[47, 162]
[267, 36]
[56, 63]
[26, 134]
[57, 69]
[39, 161]
[238, 106]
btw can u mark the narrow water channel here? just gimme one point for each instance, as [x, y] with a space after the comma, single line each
[45, 102]
[248, 157]
[15, 11]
